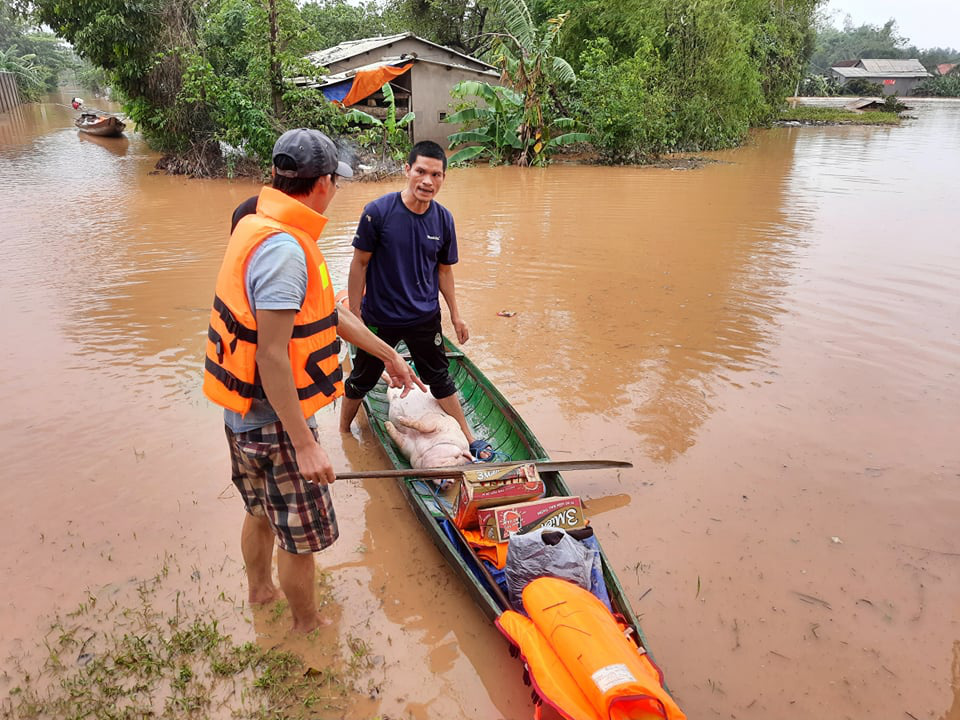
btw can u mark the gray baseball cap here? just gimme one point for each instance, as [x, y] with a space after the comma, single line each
[313, 153]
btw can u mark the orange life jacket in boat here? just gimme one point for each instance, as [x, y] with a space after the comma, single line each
[579, 659]
[230, 372]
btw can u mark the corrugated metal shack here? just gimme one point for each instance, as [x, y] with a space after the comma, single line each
[896, 77]
[420, 72]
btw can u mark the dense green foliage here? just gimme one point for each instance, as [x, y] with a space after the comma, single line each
[464, 25]
[941, 86]
[657, 75]
[495, 121]
[525, 54]
[194, 75]
[819, 86]
[334, 21]
[687, 74]
[389, 135]
[36, 57]
[626, 106]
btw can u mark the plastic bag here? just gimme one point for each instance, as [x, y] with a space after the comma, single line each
[530, 557]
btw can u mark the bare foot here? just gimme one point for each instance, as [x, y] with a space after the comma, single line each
[264, 596]
[319, 621]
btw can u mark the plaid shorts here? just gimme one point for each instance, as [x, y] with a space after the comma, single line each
[265, 472]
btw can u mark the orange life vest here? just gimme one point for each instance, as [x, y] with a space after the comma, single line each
[230, 371]
[579, 660]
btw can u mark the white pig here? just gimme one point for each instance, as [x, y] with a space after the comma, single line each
[425, 434]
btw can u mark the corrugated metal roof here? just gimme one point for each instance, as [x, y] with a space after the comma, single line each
[351, 48]
[343, 75]
[947, 68]
[855, 72]
[863, 103]
[339, 77]
[883, 67]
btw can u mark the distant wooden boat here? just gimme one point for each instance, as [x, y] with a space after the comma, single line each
[102, 125]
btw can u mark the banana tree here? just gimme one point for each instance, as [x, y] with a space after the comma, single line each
[496, 128]
[29, 75]
[524, 53]
[389, 133]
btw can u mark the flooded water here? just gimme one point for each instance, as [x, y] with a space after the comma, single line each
[771, 339]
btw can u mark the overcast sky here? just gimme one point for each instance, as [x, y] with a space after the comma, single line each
[927, 23]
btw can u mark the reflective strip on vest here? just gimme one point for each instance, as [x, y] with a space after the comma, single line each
[231, 378]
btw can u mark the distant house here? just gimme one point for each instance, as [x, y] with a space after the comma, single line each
[420, 72]
[897, 77]
[948, 68]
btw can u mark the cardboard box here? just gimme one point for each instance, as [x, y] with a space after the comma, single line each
[495, 486]
[499, 523]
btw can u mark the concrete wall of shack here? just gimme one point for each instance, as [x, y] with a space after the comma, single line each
[891, 86]
[430, 86]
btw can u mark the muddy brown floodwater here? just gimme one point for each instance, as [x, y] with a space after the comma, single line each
[771, 339]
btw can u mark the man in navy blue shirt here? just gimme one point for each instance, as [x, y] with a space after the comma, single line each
[404, 252]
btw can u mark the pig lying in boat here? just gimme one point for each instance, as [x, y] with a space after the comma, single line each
[425, 434]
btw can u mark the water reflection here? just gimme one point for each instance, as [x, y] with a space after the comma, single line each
[672, 276]
[116, 145]
[637, 290]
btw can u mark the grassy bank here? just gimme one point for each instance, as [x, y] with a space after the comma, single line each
[147, 657]
[807, 115]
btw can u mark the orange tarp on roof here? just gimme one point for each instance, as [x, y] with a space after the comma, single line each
[367, 82]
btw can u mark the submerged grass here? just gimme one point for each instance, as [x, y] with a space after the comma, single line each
[121, 663]
[837, 116]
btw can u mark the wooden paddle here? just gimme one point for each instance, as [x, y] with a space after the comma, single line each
[494, 588]
[455, 470]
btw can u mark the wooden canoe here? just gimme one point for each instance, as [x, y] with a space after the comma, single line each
[102, 125]
[494, 419]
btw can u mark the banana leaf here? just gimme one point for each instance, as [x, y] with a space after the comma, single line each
[468, 153]
[569, 139]
[468, 136]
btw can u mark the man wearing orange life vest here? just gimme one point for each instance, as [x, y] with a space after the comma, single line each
[272, 362]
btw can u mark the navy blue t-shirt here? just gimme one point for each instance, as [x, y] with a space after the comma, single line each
[403, 277]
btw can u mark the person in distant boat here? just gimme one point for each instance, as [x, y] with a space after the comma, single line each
[272, 361]
[404, 252]
[76, 103]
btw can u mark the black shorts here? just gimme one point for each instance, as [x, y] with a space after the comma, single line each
[425, 343]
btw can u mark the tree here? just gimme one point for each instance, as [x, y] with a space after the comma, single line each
[36, 57]
[941, 86]
[524, 53]
[854, 43]
[624, 105]
[459, 24]
[143, 44]
[390, 135]
[196, 73]
[335, 21]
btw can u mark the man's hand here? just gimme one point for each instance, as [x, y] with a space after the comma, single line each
[314, 464]
[401, 375]
[463, 331]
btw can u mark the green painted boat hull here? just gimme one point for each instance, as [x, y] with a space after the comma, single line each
[492, 418]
